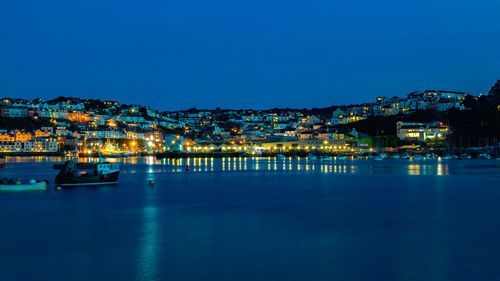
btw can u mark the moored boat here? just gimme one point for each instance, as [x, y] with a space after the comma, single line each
[418, 157]
[10, 185]
[115, 154]
[312, 157]
[430, 156]
[380, 157]
[484, 156]
[73, 173]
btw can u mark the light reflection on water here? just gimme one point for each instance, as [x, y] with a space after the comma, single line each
[238, 164]
[148, 254]
[438, 169]
[271, 164]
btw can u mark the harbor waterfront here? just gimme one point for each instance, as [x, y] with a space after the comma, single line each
[256, 218]
[250, 141]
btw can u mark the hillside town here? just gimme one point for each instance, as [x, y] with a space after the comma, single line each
[87, 126]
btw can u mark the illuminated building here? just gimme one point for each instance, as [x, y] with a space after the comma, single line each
[421, 131]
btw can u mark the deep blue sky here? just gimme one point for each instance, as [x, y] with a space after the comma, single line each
[242, 54]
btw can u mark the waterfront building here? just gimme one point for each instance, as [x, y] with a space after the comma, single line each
[22, 136]
[415, 131]
[41, 144]
[307, 145]
[11, 146]
[7, 137]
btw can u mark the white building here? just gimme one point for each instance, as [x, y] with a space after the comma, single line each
[421, 131]
[41, 144]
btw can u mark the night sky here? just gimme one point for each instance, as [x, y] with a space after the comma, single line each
[246, 54]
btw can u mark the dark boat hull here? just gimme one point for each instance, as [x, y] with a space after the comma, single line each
[110, 178]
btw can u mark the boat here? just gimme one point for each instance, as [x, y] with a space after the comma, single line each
[405, 157]
[95, 173]
[484, 156]
[341, 157]
[241, 154]
[446, 157]
[312, 157]
[32, 185]
[418, 157]
[115, 154]
[395, 156]
[326, 158]
[380, 157]
[430, 156]
[280, 157]
[112, 150]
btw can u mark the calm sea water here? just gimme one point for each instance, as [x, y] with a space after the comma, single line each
[257, 219]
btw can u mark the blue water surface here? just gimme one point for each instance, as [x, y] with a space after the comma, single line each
[257, 219]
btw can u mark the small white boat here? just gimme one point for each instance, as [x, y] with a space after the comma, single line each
[395, 156]
[37, 185]
[380, 157]
[485, 156]
[406, 156]
[312, 157]
[430, 156]
[326, 158]
[280, 157]
[446, 157]
[341, 158]
[418, 157]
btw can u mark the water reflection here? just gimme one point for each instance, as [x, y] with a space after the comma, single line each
[438, 169]
[237, 164]
[250, 164]
[148, 254]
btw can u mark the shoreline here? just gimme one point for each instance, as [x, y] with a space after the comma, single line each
[164, 155]
[15, 154]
